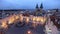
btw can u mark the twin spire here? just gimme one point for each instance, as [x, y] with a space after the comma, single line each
[41, 6]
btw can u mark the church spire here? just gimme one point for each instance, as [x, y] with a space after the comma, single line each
[41, 6]
[37, 6]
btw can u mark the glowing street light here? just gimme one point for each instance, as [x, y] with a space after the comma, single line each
[11, 20]
[27, 20]
[21, 17]
[29, 32]
[4, 25]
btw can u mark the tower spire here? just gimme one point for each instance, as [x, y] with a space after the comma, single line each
[41, 6]
[37, 6]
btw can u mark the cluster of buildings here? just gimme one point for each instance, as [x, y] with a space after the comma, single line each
[54, 14]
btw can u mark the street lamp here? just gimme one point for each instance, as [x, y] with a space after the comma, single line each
[29, 32]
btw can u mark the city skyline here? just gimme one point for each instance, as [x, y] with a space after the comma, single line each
[29, 4]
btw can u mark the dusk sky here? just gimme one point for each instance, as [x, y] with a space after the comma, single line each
[29, 4]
